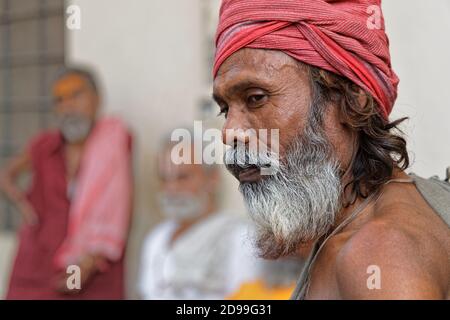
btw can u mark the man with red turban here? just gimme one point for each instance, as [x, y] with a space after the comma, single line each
[319, 71]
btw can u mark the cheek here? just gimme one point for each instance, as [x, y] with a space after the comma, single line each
[289, 119]
[85, 105]
[340, 138]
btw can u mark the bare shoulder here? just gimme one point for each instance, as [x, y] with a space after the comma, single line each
[395, 256]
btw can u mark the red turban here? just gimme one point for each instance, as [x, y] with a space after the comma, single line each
[336, 35]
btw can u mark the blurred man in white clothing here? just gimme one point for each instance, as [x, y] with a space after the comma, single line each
[198, 252]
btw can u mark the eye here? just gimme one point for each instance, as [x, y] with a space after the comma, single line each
[183, 176]
[223, 111]
[257, 99]
[77, 93]
[57, 99]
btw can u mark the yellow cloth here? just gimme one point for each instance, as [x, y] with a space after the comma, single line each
[258, 290]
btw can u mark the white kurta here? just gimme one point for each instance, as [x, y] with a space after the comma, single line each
[209, 261]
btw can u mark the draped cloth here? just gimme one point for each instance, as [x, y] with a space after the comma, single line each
[100, 212]
[346, 37]
[210, 260]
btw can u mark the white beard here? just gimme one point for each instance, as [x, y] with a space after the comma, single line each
[297, 204]
[182, 207]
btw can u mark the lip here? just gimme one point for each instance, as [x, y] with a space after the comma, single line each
[249, 175]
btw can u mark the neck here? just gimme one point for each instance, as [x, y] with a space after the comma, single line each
[76, 145]
[347, 211]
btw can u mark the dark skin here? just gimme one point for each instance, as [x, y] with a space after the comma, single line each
[400, 234]
[79, 98]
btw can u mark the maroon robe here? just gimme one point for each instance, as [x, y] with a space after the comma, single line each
[34, 272]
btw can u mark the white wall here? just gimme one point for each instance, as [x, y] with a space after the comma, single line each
[7, 251]
[419, 33]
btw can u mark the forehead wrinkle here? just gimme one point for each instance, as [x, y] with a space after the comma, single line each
[278, 63]
[229, 84]
[258, 63]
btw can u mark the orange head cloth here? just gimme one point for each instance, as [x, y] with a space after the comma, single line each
[346, 37]
[68, 85]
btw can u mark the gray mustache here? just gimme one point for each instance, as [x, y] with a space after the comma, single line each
[245, 158]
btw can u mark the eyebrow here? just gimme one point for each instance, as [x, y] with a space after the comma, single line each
[237, 87]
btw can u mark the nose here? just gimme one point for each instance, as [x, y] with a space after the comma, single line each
[236, 129]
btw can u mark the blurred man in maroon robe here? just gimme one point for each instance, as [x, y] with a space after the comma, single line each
[76, 213]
